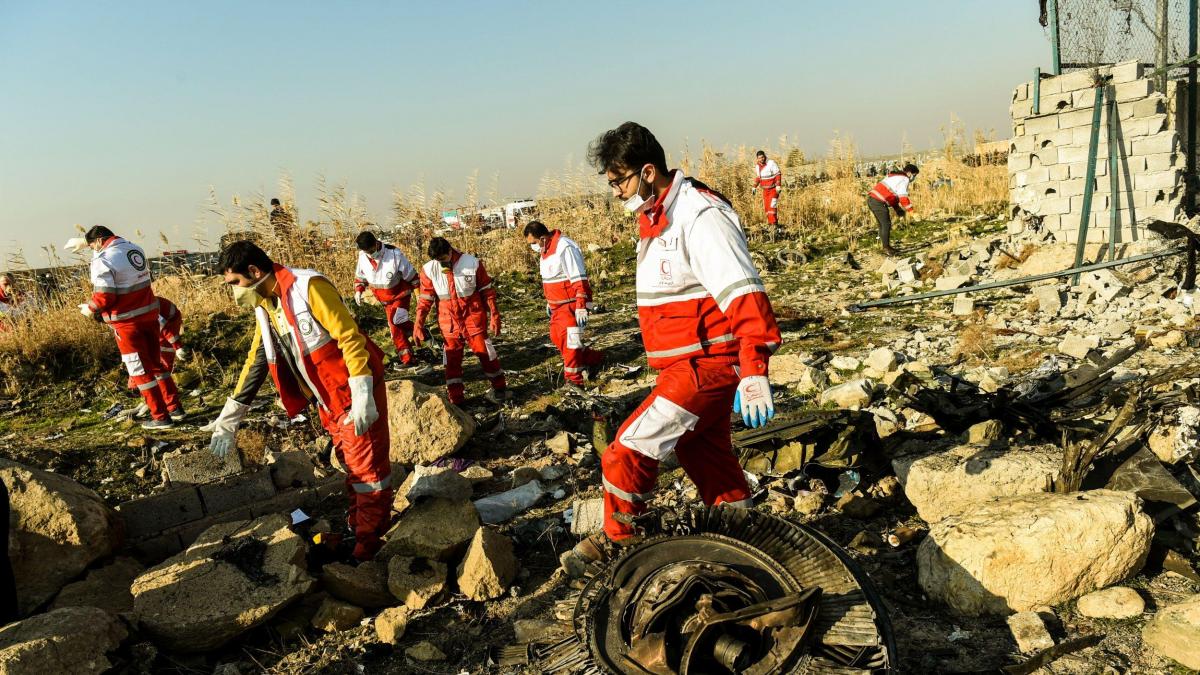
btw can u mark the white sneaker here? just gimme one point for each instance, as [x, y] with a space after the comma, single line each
[178, 414]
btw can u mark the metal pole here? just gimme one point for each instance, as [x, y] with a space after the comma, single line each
[1016, 282]
[1088, 187]
[1052, 8]
[1190, 162]
[1114, 217]
[1037, 90]
[1163, 50]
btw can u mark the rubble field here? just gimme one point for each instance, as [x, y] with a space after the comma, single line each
[1015, 470]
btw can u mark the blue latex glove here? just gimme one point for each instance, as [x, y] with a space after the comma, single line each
[753, 401]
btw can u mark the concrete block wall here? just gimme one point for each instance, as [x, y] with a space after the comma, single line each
[1047, 160]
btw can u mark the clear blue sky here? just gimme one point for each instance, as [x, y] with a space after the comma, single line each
[125, 113]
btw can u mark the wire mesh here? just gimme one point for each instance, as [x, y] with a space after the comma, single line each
[1103, 32]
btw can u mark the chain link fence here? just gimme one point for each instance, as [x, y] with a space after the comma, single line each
[1102, 32]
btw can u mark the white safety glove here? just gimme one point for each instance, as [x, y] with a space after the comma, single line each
[581, 317]
[75, 244]
[180, 354]
[358, 297]
[86, 310]
[362, 404]
[753, 401]
[224, 428]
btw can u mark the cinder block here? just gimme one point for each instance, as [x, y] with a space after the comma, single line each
[1021, 109]
[200, 466]
[1083, 98]
[1060, 172]
[1072, 154]
[156, 549]
[589, 515]
[1072, 188]
[1126, 71]
[1075, 118]
[237, 491]
[1152, 105]
[1041, 124]
[1032, 176]
[188, 532]
[331, 486]
[1021, 92]
[1018, 161]
[1128, 91]
[1052, 103]
[1054, 206]
[1143, 126]
[1160, 180]
[151, 515]
[1052, 223]
[1022, 144]
[285, 502]
[1162, 162]
[1049, 85]
[1079, 79]
[1079, 169]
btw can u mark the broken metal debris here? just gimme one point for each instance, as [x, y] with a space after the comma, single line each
[724, 590]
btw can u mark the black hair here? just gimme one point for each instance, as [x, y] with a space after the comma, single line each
[537, 229]
[274, 201]
[240, 255]
[438, 247]
[98, 233]
[630, 147]
[911, 168]
[366, 240]
[760, 153]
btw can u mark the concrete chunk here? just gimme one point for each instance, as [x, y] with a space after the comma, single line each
[153, 514]
[200, 466]
[237, 491]
[1030, 632]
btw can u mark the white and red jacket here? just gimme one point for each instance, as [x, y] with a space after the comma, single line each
[768, 176]
[564, 279]
[464, 293]
[698, 293]
[388, 276]
[121, 283]
[893, 191]
[170, 325]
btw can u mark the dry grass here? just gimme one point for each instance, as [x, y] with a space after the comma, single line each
[976, 343]
[1005, 260]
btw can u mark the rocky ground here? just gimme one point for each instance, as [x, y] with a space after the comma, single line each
[945, 500]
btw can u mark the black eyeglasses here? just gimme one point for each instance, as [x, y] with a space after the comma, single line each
[616, 182]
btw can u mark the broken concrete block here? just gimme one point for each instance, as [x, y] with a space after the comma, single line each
[808, 503]
[1115, 602]
[433, 528]
[1174, 632]
[75, 640]
[423, 424]
[1168, 340]
[587, 516]
[524, 474]
[364, 584]
[1030, 632]
[852, 395]
[441, 482]
[906, 273]
[947, 282]
[1126, 71]
[1049, 298]
[334, 616]
[985, 432]
[847, 363]
[236, 492]
[963, 305]
[199, 466]
[424, 651]
[1178, 437]
[1077, 346]
[489, 566]
[882, 360]
[292, 470]
[390, 625]
[857, 506]
[1014, 554]
[416, 581]
[105, 587]
[476, 474]
[561, 443]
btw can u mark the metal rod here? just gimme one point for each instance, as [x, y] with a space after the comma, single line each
[1052, 8]
[1163, 46]
[1089, 185]
[1037, 90]
[1114, 216]
[1190, 162]
[1017, 282]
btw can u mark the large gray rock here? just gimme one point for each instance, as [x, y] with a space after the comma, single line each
[425, 426]
[106, 587]
[433, 528]
[58, 529]
[946, 481]
[234, 577]
[364, 584]
[1175, 632]
[1013, 554]
[416, 581]
[70, 640]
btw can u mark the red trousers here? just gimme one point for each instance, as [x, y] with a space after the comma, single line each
[770, 203]
[688, 413]
[138, 342]
[400, 325]
[166, 379]
[452, 357]
[569, 340]
[368, 474]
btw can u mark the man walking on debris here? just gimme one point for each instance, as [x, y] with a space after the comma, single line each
[391, 277]
[708, 329]
[123, 299]
[308, 343]
[768, 177]
[170, 348]
[891, 193]
[568, 299]
[467, 309]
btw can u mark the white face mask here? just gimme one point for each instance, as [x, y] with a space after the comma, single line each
[537, 248]
[636, 203]
[248, 297]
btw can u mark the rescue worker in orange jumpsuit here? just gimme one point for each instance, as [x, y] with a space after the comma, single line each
[391, 277]
[891, 193]
[170, 347]
[708, 330]
[306, 340]
[568, 299]
[467, 309]
[768, 177]
[122, 298]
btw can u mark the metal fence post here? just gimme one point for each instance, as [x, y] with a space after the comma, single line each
[1052, 10]
[1088, 187]
[1037, 90]
[1162, 57]
[1114, 217]
[1190, 162]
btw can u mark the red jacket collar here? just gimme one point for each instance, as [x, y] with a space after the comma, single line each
[653, 220]
[552, 244]
[109, 242]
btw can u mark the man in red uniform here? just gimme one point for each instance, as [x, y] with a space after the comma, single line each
[891, 193]
[306, 340]
[170, 347]
[467, 308]
[568, 298]
[708, 329]
[768, 177]
[123, 299]
[391, 277]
